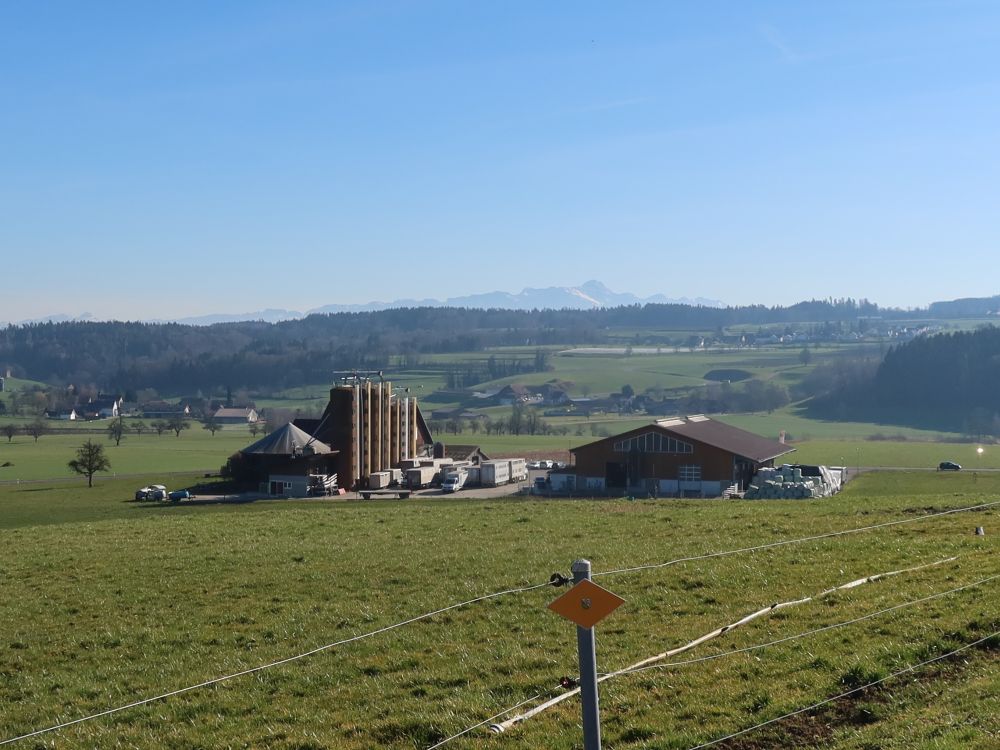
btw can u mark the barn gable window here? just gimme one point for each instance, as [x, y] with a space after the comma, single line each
[653, 442]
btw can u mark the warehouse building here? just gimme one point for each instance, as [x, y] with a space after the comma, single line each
[690, 456]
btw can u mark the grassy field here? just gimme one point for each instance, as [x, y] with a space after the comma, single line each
[599, 374]
[195, 450]
[106, 602]
[198, 450]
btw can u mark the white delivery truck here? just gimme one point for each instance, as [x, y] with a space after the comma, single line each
[454, 480]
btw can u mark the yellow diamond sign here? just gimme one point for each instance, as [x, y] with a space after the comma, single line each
[586, 604]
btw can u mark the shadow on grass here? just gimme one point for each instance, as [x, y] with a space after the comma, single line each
[243, 499]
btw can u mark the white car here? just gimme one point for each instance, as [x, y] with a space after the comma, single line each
[152, 492]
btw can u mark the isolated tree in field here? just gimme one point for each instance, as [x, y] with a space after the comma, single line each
[160, 426]
[211, 424]
[140, 427]
[116, 431]
[254, 428]
[89, 460]
[10, 430]
[805, 356]
[36, 429]
[177, 424]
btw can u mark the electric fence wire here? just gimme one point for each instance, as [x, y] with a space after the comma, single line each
[734, 652]
[785, 542]
[806, 634]
[645, 663]
[814, 706]
[487, 721]
[271, 665]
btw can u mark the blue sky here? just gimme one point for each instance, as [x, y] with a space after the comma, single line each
[173, 159]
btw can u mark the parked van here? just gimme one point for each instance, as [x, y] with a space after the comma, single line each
[454, 481]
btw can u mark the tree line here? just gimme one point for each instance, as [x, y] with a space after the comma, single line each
[121, 356]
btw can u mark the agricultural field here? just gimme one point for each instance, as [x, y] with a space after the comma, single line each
[606, 373]
[194, 450]
[107, 602]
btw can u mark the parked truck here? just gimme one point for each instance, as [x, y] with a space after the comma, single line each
[494, 473]
[518, 470]
[454, 480]
[420, 477]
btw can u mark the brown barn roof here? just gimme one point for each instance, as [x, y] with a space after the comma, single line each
[721, 435]
[717, 434]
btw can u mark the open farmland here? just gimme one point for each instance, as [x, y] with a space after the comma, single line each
[194, 450]
[107, 602]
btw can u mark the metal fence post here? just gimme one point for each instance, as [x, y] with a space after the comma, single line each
[587, 647]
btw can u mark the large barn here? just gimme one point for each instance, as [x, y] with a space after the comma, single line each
[692, 456]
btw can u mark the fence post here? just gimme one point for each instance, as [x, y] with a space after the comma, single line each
[587, 648]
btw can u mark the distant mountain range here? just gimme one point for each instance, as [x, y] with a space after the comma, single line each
[587, 296]
[591, 295]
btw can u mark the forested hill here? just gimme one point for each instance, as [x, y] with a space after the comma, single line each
[959, 371]
[175, 358]
[947, 381]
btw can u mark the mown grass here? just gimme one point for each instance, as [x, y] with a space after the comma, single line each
[194, 450]
[107, 601]
[601, 374]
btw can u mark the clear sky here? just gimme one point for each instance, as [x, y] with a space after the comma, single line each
[173, 159]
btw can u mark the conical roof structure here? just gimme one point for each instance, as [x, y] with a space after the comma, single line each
[287, 441]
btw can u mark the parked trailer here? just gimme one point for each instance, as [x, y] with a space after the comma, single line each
[494, 473]
[474, 476]
[518, 470]
[420, 477]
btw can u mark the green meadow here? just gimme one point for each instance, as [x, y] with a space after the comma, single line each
[108, 601]
[194, 450]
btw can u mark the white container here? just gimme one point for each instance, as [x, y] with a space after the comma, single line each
[379, 480]
[494, 473]
[420, 477]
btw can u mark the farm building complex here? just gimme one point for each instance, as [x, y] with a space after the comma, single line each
[679, 457]
[366, 429]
